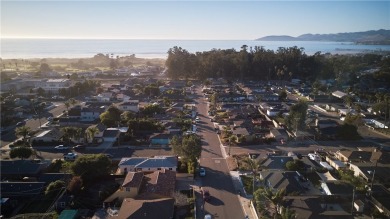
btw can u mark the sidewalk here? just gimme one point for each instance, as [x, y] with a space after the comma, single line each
[245, 199]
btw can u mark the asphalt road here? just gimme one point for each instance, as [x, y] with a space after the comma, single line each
[224, 202]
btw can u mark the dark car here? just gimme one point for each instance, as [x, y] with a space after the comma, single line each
[206, 195]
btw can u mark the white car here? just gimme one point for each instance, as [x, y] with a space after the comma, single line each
[61, 147]
[70, 156]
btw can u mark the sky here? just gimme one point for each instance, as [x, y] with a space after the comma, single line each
[192, 20]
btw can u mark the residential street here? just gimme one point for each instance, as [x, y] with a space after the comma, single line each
[224, 202]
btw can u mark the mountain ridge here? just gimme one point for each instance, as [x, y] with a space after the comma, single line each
[377, 37]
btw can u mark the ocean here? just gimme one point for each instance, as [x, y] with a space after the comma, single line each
[86, 48]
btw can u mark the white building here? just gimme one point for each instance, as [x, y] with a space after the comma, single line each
[54, 85]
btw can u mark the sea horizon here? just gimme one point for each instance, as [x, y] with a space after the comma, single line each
[39, 48]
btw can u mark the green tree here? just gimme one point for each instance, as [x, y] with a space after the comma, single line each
[91, 132]
[21, 152]
[266, 197]
[283, 95]
[189, 147]
[111, 117]
[348, 132]
[91, 167]
[287, 213]
[44, 68]
[297, 116]
[23, 131]
[295, 165]
[54, 188]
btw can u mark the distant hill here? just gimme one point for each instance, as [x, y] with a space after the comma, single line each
[377, 37]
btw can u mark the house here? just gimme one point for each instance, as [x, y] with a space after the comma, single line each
[348, 156]
[17, 169]
[279, 134]
[339, 188]
[21, 189]
[241, 132]
[287, 180]
[366, 171]
[54, 85]
[148, 164]
[130, 187]
[339, 94]
[325, 123]
[160, 182]
[160, 139]
[132, 105]
[90, 113]
[276, 162]
[104, 97]
[149, 206]
[101, 128]
[111, 135]
[315, 207]
[48, 178]
[381, 199]
[52, 135]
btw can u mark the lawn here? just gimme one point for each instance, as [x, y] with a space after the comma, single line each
[247, 181]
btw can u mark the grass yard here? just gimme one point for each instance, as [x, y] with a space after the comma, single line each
[247, 181]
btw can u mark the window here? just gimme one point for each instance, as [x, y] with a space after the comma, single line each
[159, 168]
[170, 168]
[62, 204]
[127, 189]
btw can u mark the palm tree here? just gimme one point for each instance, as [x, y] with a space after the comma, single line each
[255, 166]
[275, 198]
[91, 131]
[287, 213]
[232, 139]
[23, 131]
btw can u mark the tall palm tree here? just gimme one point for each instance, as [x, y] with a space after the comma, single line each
[275, 198]
[23, 131]
[255, 166]
[232, 139]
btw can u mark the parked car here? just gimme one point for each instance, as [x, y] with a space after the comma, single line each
[61, 147]
[21, 123]
[206, 195]
[202, 171]
[70, 156]
[79, 147]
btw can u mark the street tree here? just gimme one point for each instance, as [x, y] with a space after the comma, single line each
[21, 152]
[189, 147]
[297, 115]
